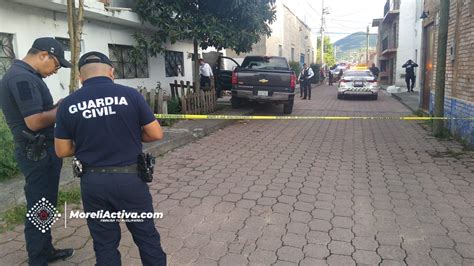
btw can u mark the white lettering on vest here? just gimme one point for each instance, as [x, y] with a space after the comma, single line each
[98, 107]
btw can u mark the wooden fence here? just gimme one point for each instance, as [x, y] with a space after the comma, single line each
[193, 102]
[154, 98]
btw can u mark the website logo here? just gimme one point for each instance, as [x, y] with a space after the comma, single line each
[43, 215]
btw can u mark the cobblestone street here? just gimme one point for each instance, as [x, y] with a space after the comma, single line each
[304, 193]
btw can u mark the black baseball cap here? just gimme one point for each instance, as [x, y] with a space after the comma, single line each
[94, 57]
[53, 47]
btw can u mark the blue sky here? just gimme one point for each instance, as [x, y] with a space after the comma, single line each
[346, 16]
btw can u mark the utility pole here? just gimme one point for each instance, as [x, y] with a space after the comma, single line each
[438, 125]
[316, 50]
[322, 35]
[323, 12]
[367, 50]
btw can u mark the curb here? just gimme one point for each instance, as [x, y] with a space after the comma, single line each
[180, 134]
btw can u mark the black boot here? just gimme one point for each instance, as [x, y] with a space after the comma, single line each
[60, 254]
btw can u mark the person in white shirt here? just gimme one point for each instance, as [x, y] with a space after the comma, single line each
[205, 71]
[305, 81]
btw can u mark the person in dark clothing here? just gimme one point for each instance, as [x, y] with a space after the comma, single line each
[339, 76]
[103, 125]
[30, 113]
[331, 78]
[410, 74]
[305, 79]
[375, 71]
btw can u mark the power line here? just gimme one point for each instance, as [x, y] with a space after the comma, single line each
[334, 33]
[343, 20]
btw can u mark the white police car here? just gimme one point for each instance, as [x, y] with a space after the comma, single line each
[358, 83]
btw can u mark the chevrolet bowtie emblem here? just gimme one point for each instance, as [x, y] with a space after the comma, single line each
[263, 81]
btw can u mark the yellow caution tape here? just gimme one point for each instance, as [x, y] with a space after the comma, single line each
[260, 117]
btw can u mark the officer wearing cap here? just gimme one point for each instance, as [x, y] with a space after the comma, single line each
[103, 125]
[30, 112]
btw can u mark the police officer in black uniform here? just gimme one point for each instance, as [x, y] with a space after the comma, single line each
[410, 74]
[103, 124]
[30, 113]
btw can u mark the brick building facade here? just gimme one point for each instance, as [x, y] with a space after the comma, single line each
[459, 89]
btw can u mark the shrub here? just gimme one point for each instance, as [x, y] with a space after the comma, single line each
[174, 106]
[8, 166]
[296, 67]
[315, 68]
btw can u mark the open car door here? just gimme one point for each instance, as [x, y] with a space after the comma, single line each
[225, 67]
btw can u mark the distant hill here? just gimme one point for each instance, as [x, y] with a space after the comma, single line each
[355, 42]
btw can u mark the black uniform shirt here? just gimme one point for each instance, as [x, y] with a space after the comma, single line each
[410, 68]
[105, 122]
[24, 93]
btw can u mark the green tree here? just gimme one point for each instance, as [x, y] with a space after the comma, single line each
[329, 58]
[234, 24]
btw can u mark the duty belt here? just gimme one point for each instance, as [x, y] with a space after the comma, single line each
[130, 169]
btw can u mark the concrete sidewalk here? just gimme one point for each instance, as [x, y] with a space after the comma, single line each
[410, 99]
[179, 134]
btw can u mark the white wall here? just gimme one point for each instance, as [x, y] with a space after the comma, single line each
[409, 39]
[28, 23]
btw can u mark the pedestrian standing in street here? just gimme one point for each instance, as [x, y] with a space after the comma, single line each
[205, 71]
[331, 78]
[339, 76]
[375, 71]
[103, 125]
[305, 79]
[302, 80]
[321, 76]
[30, 114]
[410, 74]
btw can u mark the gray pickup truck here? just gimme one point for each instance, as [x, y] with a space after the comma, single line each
[262, 79]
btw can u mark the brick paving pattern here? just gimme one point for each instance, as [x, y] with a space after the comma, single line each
[305, 193]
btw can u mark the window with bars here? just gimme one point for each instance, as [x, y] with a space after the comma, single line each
[6, 52]
[124, 65]
[174, 64]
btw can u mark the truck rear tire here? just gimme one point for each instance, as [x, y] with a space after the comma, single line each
[288, 107]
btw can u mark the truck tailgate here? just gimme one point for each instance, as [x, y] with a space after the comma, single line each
[274, 80]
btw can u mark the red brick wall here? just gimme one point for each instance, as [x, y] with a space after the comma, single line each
[460, 72]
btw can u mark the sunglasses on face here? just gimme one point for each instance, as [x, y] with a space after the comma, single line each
[56, 62]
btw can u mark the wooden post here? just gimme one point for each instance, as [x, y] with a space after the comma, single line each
[188, 87]
[160, 102]
[182, 88]
[75, 25]
[176, 89]
[196, 103]
[152, 100]
[201, 102]
[183, 106]
[173, 95]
